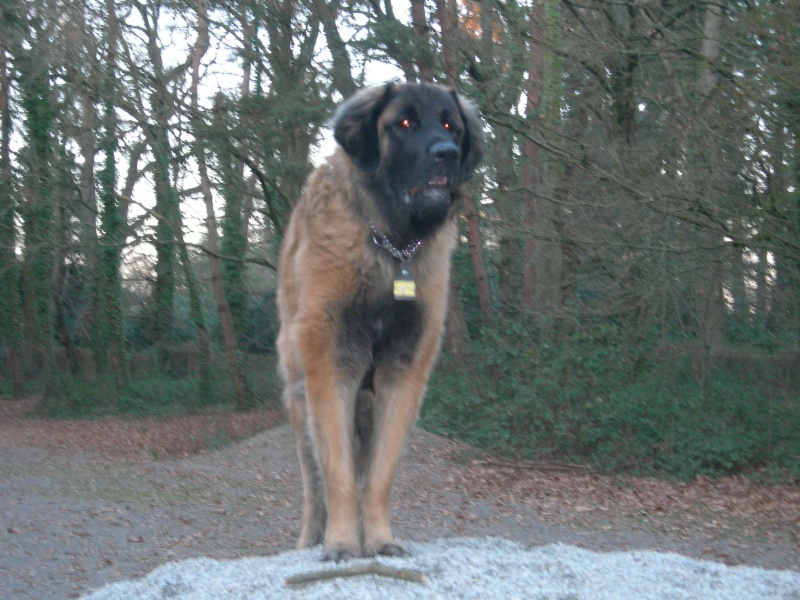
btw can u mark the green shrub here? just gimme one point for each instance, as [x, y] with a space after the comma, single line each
[592, 397]
[75, 399]
[160, 394]
[667, 422]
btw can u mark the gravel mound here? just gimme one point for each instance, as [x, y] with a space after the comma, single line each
[464, 568]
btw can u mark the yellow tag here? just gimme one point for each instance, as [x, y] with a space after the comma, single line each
[404, 288]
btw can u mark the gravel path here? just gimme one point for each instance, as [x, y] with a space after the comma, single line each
[73, 521]
[466, 569]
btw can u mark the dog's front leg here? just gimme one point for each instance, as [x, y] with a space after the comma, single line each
[330, 403]
[399, 391]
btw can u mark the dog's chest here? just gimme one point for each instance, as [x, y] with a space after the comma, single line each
[376, 328]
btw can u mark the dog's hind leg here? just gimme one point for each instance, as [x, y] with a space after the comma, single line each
[314, 513]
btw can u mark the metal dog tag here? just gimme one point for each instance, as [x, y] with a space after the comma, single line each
[404, 286]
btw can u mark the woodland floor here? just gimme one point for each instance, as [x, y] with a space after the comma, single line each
[85, 503]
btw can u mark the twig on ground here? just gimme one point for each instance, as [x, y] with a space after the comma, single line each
[356, 570]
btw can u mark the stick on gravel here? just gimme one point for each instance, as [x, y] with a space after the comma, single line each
[356, 570]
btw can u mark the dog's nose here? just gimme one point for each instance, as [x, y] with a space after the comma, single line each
[445, 150]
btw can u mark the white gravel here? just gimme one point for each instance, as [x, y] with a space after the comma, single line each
[467, 568]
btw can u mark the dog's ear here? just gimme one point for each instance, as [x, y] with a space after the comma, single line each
[355, 126]
[473, 145]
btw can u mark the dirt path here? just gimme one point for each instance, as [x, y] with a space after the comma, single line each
[84, 504]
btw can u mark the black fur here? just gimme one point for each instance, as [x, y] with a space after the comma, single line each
[414, 182]
[378, 331]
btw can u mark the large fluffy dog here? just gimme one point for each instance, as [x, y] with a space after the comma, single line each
[362, 298]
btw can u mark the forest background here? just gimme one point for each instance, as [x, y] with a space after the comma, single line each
[626, 293]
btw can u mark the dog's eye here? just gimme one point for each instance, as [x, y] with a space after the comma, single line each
[405, 123]
[449, 126]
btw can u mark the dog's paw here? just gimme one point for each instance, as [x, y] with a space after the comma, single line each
[393, 549]
[387, 549]
[340, 554]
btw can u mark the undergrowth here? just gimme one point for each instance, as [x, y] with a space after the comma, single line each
[158, 394]
[595, 398]
[590, 396]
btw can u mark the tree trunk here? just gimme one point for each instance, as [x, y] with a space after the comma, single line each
[713, 326]
[233, 243]
[342, 70]
[470, 210]
[113, 235]
[478, 264]
[447, 16]
[39, 216]
[196, 312]
[87, 216]
[709, 49]
[243, 394]
[167, 207]
[424, 58]
[59, 293]
[167, 202]
[10, 301]
[169, 228]
[455, 326]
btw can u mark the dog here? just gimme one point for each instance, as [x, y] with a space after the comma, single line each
[362, 295]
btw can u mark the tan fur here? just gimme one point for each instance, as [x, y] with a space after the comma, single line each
[328, 255]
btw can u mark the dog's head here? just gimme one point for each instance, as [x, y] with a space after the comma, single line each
[414, 144]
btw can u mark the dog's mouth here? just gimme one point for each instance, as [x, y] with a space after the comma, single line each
[437, 187]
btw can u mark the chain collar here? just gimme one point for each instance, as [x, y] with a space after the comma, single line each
[404, 255]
